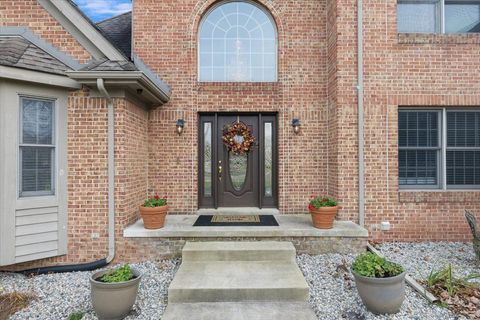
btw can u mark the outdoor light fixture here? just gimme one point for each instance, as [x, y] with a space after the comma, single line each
[180, 124]
[296, 125]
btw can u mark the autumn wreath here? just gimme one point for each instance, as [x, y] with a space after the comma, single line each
[238, 137]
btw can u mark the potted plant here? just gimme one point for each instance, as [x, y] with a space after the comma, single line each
[113, 292]
[153, 212]
[380, 283]
[323, 211]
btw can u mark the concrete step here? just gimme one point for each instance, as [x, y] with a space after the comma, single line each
[213, 281]
[242, 251]
[238, 211]
[239, 311]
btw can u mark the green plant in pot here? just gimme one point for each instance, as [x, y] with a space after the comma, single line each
[380, 283]
[153, 212]
[323, 211]
[113, 292]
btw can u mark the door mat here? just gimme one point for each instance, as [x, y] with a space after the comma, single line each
[235, 220]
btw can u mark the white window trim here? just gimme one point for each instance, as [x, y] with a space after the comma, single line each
[29, 194]
[442, 160]
[204, 18]
[441, 17]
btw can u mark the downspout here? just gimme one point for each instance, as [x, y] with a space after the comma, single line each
[111, 201]
[111, 169]
[361, 140]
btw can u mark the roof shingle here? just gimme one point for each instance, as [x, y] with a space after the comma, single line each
[118, 30]
[18, 52]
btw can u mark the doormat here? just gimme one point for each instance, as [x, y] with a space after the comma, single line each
[235, 220]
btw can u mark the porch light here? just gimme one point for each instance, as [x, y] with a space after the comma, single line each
[296, 125]
[180, 124]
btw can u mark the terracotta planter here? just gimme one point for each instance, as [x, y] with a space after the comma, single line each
[322, 218]
[153, 217]
[112, 301]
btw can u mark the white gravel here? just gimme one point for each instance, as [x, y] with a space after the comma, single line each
[332, 290]
[59, 295]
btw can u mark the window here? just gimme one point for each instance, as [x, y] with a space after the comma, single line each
[438, 16]
[439, 149]
[37, 147]
[237, 43]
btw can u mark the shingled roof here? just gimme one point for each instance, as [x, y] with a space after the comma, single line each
[118, 30]
[18, 52]
[108, 65]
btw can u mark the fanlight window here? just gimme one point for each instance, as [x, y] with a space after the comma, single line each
[237, 43]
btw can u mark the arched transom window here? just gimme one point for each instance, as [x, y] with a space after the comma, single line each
[237, 43]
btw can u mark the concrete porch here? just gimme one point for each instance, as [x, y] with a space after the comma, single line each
[344, 237]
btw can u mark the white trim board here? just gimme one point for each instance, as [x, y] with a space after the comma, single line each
[38, 77]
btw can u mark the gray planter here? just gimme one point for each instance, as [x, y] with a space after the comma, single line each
[112, 301]
[381, 295]
[476, 247]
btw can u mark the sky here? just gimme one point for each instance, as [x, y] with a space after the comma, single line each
[98, 10]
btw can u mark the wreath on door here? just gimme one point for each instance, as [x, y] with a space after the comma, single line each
[238, 138]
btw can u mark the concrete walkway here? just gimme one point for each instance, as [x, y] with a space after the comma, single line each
[238, 280]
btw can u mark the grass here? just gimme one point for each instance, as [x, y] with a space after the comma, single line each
[13, 302]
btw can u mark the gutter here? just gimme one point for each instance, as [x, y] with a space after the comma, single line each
[361, 138]
[111, 170]
[161, 92]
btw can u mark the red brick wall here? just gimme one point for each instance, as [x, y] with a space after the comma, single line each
[401, 70]
[301, 91]
[30, 14]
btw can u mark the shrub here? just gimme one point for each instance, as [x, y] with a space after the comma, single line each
[319, 202]
[121, 274]
[76, 316]
[371, 265]
[155, 201]
[444, 279]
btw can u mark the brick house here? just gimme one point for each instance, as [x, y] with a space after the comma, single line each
[89, 114]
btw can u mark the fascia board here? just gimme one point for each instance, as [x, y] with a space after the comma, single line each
[38, 77]
[119, 78]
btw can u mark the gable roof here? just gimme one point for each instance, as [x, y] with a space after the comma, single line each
[18, 52]
[118, 30]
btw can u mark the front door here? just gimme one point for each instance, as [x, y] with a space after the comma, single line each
[227, 179]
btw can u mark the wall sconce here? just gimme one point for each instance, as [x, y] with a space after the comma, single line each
[180, 124]
[296, 125]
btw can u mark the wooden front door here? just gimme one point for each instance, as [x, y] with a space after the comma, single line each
[237, 180]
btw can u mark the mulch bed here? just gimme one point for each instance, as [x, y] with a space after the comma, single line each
[465, 301]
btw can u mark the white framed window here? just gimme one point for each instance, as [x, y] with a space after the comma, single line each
[37, 146]
[439, 149]
[237, 42]
[438, 16]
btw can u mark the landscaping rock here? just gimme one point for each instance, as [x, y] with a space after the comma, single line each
[59, 295]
